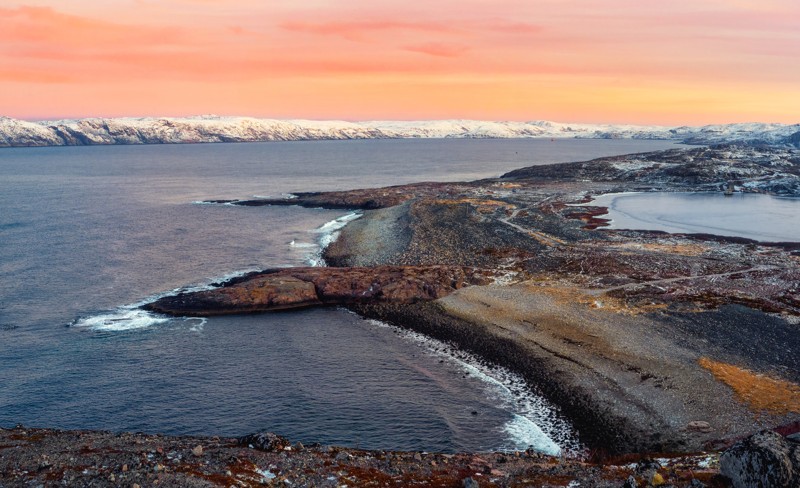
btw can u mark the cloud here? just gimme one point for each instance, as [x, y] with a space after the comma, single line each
[45, 26]
[439, 49]
[357, 30]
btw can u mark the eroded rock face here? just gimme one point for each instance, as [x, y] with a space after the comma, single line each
[766, 459]
[304, 287]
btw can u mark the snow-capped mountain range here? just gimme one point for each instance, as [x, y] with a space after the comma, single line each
[168, 130]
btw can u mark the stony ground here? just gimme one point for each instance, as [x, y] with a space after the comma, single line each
[44, 457]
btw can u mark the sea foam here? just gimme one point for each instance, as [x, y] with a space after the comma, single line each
[327, 233]
[535, 422]
[121, 319]
[132, 317]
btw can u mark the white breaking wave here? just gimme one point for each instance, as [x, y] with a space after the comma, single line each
[327, 233]
[535, 422]
[121, 319]
[132, 317]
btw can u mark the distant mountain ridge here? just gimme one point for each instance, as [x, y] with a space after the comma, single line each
[207, 129]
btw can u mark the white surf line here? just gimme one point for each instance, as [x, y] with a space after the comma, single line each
[327, 234]
[132, 317]
[535, 422]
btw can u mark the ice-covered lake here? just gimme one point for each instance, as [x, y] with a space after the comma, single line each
[759, 217]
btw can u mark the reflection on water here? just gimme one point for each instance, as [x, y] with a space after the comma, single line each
[759, 217]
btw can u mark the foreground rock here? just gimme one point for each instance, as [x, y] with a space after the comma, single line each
[764, 460]
[44, 457]
[303, 287]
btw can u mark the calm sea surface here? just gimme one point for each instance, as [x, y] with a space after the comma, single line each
[759, 217]
[86, 233]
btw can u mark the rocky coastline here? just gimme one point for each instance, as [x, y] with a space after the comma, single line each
[648, 342]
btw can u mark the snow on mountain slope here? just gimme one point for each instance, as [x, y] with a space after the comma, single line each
[209, 128]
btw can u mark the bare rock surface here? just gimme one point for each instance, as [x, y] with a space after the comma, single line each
[765, 459]
[303, 287]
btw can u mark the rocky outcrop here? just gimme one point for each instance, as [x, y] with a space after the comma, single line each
[766, 459]
[304, 287]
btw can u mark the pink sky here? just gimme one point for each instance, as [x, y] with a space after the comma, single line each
[676, 62]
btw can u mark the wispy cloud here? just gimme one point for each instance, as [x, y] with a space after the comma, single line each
[439, 49]
[358, 30]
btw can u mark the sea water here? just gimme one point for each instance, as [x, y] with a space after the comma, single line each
[87, 234]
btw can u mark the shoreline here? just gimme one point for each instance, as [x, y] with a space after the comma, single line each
[574, 286]
[647, 342]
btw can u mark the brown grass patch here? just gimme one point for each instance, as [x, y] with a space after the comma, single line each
[566, 295]
[679, 249]
[760, 392]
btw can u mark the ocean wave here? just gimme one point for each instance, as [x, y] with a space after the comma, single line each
[132, 317]
[327, 233]
[535, 422]
[205, 202]
[121, 319]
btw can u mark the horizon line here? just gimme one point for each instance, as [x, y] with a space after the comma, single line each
[361, 121]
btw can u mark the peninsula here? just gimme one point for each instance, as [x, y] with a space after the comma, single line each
[647, 342]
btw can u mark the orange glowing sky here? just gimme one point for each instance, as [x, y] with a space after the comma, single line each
[636, 61]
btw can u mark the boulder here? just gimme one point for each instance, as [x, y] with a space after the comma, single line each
[763, 460]
[264, 441]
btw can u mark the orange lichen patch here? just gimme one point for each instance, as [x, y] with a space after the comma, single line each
[760, 392]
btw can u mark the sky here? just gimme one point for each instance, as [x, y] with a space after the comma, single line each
[661, 62]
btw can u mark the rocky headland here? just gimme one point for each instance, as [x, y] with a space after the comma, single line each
[647, 342]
